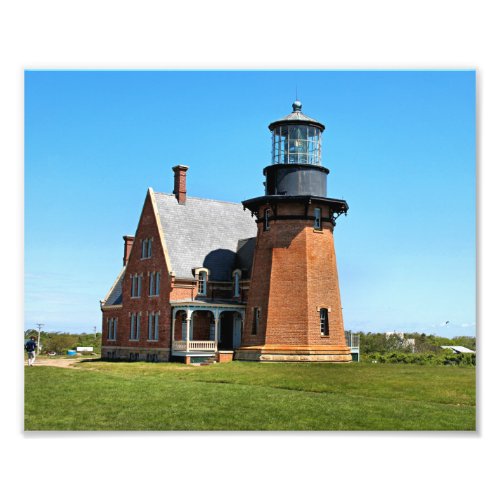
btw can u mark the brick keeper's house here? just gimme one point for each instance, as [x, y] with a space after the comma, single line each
[205, 279]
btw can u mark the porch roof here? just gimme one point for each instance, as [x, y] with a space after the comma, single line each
[227, 305]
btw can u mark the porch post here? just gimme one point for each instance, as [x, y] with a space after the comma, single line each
[174, 313]
[188, 327]
[216, 328]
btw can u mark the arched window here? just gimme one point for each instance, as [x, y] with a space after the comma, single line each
[202, 283]
[323, 322]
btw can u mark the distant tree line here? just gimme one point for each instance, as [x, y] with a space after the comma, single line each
[381, 343]
[382, 348]
[60, 342]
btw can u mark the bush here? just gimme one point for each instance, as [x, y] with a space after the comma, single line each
[462, 359]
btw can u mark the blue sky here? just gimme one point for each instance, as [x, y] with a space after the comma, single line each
[400, 147]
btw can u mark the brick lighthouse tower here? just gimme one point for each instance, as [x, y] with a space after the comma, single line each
[293, 310]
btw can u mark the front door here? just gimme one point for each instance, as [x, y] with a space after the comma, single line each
[226, 332]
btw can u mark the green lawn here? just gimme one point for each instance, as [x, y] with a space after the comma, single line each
[249, 396]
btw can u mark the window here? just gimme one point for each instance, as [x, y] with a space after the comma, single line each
[153, 325]
[236, 278]
[112, 326]
[135, 326]
[151, 318]
[157, 283]
[267, 214]
[323, 322]
[154, 284]
[317, 219]
[136, 285]
[202, 283]
[255, 322]
[147, 245]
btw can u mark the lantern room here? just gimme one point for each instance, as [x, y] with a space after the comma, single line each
[296, 139]
[296, 168]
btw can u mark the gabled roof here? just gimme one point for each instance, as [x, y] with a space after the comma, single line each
[114, 296]
[203, 233]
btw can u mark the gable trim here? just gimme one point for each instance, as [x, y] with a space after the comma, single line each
[160, 230]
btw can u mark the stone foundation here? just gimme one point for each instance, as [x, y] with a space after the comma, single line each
[281, 353]
[112, 353]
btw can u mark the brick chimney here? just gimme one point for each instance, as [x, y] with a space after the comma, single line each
[180, 183]
[127, 247]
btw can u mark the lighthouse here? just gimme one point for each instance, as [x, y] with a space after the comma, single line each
[293, 310]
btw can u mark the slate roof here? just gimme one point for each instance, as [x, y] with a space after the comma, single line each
[114, 297]
[244, 254]
[206, 233]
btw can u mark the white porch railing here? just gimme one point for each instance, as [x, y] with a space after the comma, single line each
[194, 345]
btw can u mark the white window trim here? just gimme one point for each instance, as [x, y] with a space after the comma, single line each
[199, 271]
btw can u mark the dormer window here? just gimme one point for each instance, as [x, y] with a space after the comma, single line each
[236, 283]
[202, 282]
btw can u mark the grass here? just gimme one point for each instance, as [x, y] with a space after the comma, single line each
[249, 396]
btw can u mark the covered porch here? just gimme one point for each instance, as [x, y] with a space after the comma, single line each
[204, 329]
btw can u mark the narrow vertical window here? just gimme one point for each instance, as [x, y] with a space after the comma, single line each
[157, 326]
[267, 214]
[109, 328]
[255, 322]
[323, 322]
[317, 218]
[150, 245]
[144, 248]
[157, 284]
[132, 325]
[152, 284]
[115, 321]
[150, 326]
[202, 283]
[139, 285]
[138, 326]
[236, 284]
[132, 286]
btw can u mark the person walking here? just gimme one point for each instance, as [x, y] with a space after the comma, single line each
[30, 347]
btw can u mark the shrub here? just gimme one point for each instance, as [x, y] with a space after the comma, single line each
[461, 359]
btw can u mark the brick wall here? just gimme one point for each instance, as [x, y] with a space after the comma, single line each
[147, 228]
[295, 274]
